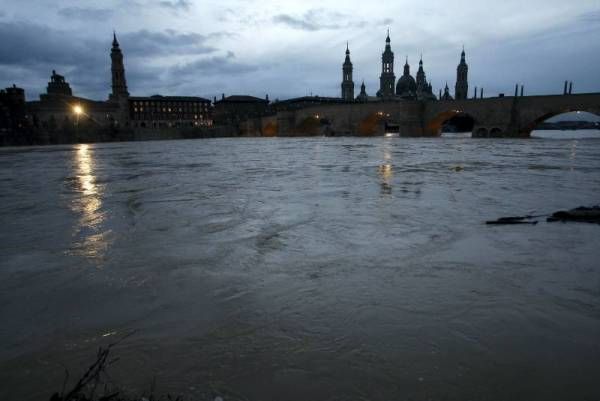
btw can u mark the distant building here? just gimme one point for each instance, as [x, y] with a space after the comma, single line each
[56, 108]
[169, 111]
[58, 86]
[13, 115]
[236, 108]
[347, 82]
[461, 90]
[407, 87]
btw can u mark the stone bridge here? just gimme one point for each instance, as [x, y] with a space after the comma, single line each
[492, 117]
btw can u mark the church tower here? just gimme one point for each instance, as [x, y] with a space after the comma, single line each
[421, 79]
[363, 97]
[119, 84]
[446, 95]
[461, 89]
[387, 79]
[347, 83]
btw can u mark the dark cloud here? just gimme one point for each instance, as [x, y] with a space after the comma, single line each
[213, 66]
[316, 19]
[176, 5]
[591, 17]
[27, 44]
[144, 43]
[296, 23]
[93, 14]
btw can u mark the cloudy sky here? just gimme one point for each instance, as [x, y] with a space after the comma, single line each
[294, 48]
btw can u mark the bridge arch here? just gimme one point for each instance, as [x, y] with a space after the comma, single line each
[481, 132]
[532, 124]
[373, 124]
[435, 125]
[496, 132]
[270, 129]
[313, 125]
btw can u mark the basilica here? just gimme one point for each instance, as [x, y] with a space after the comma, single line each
[407, 87]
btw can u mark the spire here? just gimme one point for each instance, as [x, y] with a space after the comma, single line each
[363, 97]
[421, 60]
[119, 83]
[461, 89]
[347, 62]
[347, 83]
[406, 67]
[388, 36]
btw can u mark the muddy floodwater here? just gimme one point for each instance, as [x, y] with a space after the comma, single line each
[303, 269]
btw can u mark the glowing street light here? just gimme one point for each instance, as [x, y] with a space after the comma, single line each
[78, 110]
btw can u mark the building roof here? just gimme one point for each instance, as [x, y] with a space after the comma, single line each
[242, 99]
[61, 102]
[170, 98]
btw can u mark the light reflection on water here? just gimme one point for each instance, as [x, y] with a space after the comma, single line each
[89, 239]
[386, 170]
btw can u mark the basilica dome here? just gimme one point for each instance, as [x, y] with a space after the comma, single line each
[406, 85]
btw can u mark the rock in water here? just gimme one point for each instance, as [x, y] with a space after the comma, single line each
[582, 214]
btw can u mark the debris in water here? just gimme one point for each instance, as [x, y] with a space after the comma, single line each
[513, 220]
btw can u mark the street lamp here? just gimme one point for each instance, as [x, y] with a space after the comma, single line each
[78, 110]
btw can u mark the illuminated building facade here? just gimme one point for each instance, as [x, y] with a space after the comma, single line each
[170, 111]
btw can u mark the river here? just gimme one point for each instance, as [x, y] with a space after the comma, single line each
[303, 269]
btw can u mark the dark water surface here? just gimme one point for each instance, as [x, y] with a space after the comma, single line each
[303, 269]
